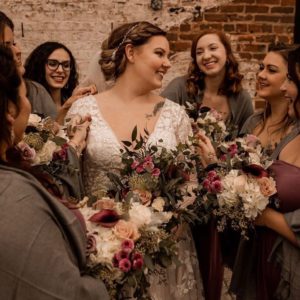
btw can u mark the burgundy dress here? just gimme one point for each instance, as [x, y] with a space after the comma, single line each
[287, 179]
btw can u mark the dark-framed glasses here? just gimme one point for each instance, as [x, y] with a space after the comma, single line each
[53, 64]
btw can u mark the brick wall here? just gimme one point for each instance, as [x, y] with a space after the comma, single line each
[82, 25]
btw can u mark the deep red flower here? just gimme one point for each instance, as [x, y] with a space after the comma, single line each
[255, 170]
[106, 218]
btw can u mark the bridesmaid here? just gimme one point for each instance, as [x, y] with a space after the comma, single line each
[213, 80]
[268, 265]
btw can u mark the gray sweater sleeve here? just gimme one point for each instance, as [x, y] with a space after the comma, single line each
[176, 90]
[42, 247]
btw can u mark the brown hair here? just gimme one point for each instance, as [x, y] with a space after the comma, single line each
[283, 50]
[232, 79]
[113, 60]
[10, 82]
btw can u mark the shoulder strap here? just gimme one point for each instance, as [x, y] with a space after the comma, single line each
[285, 141]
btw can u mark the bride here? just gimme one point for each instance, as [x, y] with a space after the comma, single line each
[135, 55]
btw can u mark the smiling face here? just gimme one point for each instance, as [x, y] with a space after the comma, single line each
[151, 61]
[271, 76]
[211, 55]
[9, 42]
[58, 78]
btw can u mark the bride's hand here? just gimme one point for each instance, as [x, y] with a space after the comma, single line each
[206, 150]
[81, 130]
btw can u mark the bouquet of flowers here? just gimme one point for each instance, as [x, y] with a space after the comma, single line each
[210, 122]
[132, 232]
[43, 142]
[154, 174]
[126, 241]
[239, 188]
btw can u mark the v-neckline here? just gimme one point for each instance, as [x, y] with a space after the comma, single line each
[119, 142]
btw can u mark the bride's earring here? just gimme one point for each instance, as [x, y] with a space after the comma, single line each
[12, 136]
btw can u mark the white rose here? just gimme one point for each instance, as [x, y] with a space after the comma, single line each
[158, 204]
[240, 183]
[46, 153]
[34, 120]
[140, 214]
[161, 218]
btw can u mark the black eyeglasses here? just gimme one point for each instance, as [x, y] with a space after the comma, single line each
[54, 64]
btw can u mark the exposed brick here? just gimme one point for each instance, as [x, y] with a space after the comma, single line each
[254, 28]
[282, 10]
[185, 27]
[267, 1]
[216, 26]
[259, 56]
[172, 36]
[243, 1]
[288, 2]
[229, 27]
[257, 9]
[283, 38]
[232, 8]
[282, 29]
[287, 19]
[266, 38]
[213, 9]
[182, 46]
[245, 38]
[241, 28]
[253, 48]
[188, 37]
[267, 18]
[239, 18]
[215, 17]
[245, 55]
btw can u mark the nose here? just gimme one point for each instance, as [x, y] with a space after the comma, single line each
[205, 54]
[261, 74]
[60, 68]
[167, 63]
[283, 86]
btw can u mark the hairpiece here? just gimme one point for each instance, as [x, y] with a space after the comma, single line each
[113, 56]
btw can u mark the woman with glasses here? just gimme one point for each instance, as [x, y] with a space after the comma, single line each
[53, 65]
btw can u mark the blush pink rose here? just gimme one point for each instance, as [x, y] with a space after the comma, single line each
[144, 196]
[267, 186]
[104, 203]
[126, 230]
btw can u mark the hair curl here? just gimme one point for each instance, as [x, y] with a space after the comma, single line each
[113, 59]
[232, 79]
[294, 74]
[35, 67]
[10, 82]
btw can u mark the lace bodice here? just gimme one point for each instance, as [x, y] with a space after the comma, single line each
[102, 154]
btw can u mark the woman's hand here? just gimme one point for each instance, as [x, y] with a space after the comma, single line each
[80, 133]
[275, 220]
[206, 150]
[85, 91]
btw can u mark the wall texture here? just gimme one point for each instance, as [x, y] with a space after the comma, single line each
[82, 25]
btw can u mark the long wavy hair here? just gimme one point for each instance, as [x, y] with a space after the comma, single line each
[35, 67]
[232, 79]
[294, 74]
[10, 82]
[283, 125]
[113, 58]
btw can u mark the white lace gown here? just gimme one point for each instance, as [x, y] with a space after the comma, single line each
[102, 155]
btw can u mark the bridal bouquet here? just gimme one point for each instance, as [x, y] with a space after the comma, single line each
[126, 240]
[239, 188]
[42, 142]
[159, 177]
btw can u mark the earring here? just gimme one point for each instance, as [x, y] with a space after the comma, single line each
[12, 136]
